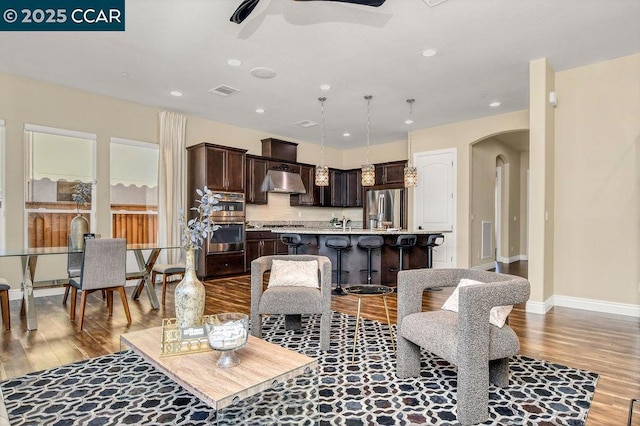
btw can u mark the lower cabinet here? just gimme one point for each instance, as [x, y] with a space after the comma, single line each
[222, 264]
[262, 243]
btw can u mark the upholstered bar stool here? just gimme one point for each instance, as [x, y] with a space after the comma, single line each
[4, 295]
[292, 241]
[404, 242]
[370, 243]
[433, 240]
[339, 244]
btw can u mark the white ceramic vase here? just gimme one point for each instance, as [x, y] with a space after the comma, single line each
[189, 294]
[79, 227]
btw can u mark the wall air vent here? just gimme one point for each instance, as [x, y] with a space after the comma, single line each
[305, 123]
[224, 90]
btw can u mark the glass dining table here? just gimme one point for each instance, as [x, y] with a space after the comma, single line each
[29, 258]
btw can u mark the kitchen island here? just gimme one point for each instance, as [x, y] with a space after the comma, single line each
[384, 261]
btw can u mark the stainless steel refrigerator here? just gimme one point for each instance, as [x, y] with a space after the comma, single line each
[385, 208]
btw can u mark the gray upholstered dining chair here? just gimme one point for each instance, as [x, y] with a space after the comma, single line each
[103, 268]
[292, 300]
[465, 338]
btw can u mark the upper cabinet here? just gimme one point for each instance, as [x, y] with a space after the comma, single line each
[312, 196]
[353, 188]
[390, 173]
[219, 168]
[256, 172]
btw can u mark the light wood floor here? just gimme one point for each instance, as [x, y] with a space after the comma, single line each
[602, 343]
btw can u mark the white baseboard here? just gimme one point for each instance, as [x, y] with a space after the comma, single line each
[616, 308]
[539, 307]
[512, 259]
[485, 266]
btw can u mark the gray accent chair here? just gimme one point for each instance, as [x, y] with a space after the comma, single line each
[479, 349]
[103, 268]
[74, 267]
[291, 301]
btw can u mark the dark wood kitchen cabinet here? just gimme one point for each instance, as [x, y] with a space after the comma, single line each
[390, 173]
[219, 168]
[262, 243]
[312, 196]
[353, 188]
[256, 172]
[336, 189]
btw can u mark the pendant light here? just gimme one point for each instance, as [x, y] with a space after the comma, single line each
[410, 172]
[368, 169]
[322, 171]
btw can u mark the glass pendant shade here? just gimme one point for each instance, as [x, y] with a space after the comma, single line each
[410, 176]
[368, 175]
[322, 176]
[368, 170]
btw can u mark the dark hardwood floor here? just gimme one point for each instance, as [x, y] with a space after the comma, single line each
[603, 343]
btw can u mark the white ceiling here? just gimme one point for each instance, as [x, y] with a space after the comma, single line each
[484, 48]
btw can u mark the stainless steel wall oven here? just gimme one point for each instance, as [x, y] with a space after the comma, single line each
[230, 236]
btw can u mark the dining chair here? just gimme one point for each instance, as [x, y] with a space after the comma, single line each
[103, 268]
[166, 270]
[74, 266]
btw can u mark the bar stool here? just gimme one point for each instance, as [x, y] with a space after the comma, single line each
[339, 244]
[370, 243]
[292, 241]
[404, 242]
[433, 240]
[4, 295]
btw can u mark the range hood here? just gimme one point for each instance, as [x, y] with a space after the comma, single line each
[279, 180]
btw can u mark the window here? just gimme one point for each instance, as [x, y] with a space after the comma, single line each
[134, 191]
[56, 160]
[2, 190]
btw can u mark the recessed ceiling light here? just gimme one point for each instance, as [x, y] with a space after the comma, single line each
[260, 110]
[346, 134]
[494, 104]
[325, 87]
[408, 121]
[262, 72]
[429, 52]
[234, 62]
[176, 93]
[124, 74]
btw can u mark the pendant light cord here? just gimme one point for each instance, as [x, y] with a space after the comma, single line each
[368, 98]
[322, 129]
[410, 102]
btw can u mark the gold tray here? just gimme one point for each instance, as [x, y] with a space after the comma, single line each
[176, 341]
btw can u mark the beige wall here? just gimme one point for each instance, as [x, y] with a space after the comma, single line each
[597, 198]
[541, 158]
[524, 171]
[483, 176]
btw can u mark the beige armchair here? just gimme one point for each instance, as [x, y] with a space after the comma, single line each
[291, 301]
[465, 338]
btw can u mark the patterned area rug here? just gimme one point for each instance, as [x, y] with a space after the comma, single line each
[123, 389]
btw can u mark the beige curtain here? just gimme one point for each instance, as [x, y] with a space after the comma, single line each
[171, 182]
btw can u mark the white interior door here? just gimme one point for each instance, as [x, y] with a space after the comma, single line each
[434, 201]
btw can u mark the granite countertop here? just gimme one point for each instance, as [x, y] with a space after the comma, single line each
[340, 231]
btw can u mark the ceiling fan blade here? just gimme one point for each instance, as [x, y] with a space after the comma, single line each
[245, 8]
[374, 3]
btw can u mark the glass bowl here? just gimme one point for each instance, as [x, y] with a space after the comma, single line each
[226, 333]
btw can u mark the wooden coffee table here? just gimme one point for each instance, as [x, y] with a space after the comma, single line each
[262, 366]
